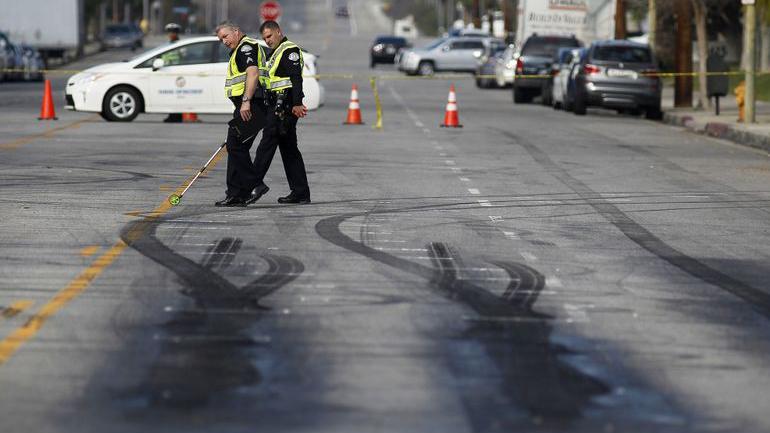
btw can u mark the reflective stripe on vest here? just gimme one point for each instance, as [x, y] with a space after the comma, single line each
[235, 84]
[280, 83]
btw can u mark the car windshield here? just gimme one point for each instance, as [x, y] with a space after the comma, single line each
[434, 44]
[623, 54]
[117, 29]
[387, 40]
[546, 47]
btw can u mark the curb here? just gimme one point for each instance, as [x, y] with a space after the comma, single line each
[720, 130]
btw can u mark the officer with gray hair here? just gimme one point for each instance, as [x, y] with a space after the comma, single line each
[246, 78]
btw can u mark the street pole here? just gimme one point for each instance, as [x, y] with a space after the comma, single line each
[620, 19]
[652, 23]
[683, 55]
[750, 22]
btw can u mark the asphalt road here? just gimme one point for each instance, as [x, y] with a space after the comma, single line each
[531, 271]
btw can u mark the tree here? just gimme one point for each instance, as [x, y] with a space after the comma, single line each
[700, 10]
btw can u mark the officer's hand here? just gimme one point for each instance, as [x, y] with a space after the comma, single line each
[299, 111]
[246, 110]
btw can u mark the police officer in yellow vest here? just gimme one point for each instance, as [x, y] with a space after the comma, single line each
[285, 107]
[246, 79]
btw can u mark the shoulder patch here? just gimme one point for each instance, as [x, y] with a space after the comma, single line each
[294, 56]
[246, 48]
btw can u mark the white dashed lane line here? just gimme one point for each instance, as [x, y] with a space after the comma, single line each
[485, 203]
[474, 191]
[449, 162]
[464, 179]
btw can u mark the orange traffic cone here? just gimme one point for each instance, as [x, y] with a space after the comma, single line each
[47, 111]
[451, 119]
[190, 117]
[354, 109]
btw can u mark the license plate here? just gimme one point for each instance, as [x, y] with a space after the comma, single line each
[624, 73]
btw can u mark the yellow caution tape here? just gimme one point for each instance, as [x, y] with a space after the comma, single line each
[440, 76]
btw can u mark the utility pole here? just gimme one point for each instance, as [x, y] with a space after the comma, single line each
[620, 19]
[683, 57]
[652, 23]
[475, 14]
[750, 27]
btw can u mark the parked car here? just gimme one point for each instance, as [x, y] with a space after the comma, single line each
[485, 73]
[145, 84]
[33, 63]
[457, 54]
[384, 49]
[535, 59]
[122, 36]
[15, 62]
[4, 41]
[563, 76]
[618, 74]
[506, 67]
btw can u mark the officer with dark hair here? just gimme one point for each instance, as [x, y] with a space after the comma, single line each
[284, 97]
[246, 79]
[172, 57]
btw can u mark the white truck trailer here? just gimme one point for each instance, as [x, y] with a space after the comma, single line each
[587, 20]
[55, 27]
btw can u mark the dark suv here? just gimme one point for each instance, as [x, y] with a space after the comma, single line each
[535, 58]
[618, 74]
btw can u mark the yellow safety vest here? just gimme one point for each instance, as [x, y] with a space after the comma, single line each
[277, 83]
[235, 84]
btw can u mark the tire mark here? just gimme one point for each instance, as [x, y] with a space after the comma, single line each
[534, 374]
[759, 300]
[206, 351]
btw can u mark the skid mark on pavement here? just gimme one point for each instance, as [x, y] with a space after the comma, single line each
[206, 350]
[756, 298]
[11, 343]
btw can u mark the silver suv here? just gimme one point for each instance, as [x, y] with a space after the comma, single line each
[620, 75]
[454, 53]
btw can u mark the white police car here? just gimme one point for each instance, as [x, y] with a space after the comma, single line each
[185, 77]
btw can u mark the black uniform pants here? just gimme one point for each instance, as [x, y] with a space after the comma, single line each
[241, 176]
[293, 164]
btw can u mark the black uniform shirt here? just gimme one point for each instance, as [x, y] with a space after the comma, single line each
[247, 57]
[290, 66]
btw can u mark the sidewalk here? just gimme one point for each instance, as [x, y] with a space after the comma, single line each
[724, 126]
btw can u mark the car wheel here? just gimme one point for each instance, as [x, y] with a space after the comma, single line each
[425, 68]
[579, 104]
[653, 113]
[372, 63]
[556, 105]
[121, 104]
[519, 96]
[545, 96]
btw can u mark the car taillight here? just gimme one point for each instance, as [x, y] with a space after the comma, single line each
[519, 66]
[590, 69]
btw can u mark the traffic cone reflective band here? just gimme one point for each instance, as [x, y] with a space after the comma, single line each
[451, 119]
[47, 112]
[354, 109]
[190, 117]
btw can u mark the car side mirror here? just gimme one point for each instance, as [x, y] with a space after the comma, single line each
[157, 64]
[445, 48]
